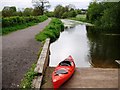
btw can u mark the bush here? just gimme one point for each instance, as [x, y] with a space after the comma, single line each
[51, 31]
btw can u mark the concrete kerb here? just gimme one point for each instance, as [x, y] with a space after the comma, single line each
[41, 64]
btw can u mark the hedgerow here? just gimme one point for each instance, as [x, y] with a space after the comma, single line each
[10, 24]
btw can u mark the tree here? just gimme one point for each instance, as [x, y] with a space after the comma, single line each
[65, 15]
[41, 5]
[58, 11]
[28, 12]
[105, 16]
[72, 13]
[95, 11]
[64, 12]
[66, 8]
[9, 11]
[111, 17]
[37, 11]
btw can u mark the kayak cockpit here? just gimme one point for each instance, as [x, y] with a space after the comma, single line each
[61, 71]
[65, 63]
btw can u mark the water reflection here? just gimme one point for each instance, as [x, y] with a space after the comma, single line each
[104, 48]
[72, 41]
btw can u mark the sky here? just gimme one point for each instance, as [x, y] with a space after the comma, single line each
[28, 3]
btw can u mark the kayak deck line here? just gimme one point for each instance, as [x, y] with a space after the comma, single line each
[86, 78]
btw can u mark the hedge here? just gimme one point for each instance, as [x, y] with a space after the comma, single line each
[10, 24]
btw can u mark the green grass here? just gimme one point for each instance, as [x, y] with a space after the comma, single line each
[51, 31]
[80, 17]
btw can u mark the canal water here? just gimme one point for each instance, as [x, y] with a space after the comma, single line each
[87, 49]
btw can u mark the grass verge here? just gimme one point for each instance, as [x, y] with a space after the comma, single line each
[51, 31]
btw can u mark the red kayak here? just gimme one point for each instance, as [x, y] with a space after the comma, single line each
[63, 72]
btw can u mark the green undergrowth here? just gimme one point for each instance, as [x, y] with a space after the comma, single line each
[29, 76]
[11, 24]
[51, 31]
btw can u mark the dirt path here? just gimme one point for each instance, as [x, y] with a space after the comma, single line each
[19, 51]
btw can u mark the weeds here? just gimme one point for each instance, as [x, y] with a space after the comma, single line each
[29, 76]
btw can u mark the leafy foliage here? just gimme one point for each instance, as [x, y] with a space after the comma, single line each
[65, 12]
[9, 11]
[28, 12]
[105, 15]
[52, 31]
[49, 14]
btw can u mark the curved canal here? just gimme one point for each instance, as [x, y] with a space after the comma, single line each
[88, 50]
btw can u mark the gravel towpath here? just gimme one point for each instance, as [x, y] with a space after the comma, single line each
[19, 51]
